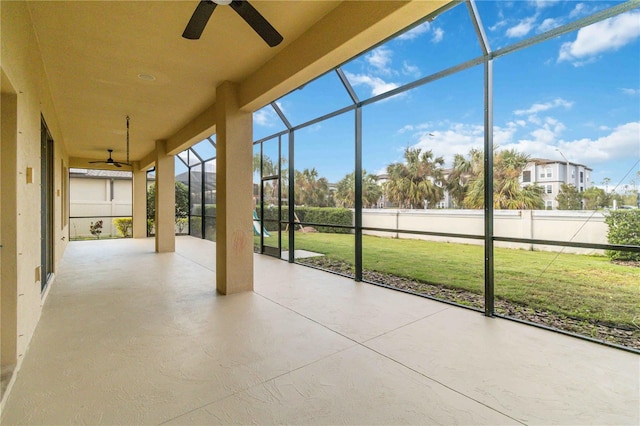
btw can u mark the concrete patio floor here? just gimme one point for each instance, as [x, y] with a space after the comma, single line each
[128, 336]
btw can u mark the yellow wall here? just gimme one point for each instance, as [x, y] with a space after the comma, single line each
[23, 72]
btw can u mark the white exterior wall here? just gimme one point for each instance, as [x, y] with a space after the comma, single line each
[558, 225]
[559, 175]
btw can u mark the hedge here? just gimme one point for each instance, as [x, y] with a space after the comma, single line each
[624, 228]
[328, 215]
[209, 210]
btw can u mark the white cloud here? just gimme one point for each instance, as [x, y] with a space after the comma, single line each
[537, 107]
[630, 92]
[522, 28]
[448, 138]
[380, 59]
[412, 127]
[549, 24]
[577, 10]
[415, 32]
[581, 9]
[424, 28]
[611, 34]
[498, 25]
[438, 34]
[265, 117]
[410, 70]
[619, 144]
[376, 84]
[541, 4]
[458, 138]
[504, 135]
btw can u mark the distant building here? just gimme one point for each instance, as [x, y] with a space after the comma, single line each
[551, 174]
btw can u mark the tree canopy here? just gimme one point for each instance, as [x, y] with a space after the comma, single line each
[345, 190]
[311, 190]
[569, 198]
[507, 191]
[182, 201]
[417, 181]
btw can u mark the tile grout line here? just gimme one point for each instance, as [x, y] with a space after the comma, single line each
[362, 344]
[407, 324]
[272, 378]
[246, 388]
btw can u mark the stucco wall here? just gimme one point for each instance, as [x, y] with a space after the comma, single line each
[569, 226]
[23, 72]
[93, 197]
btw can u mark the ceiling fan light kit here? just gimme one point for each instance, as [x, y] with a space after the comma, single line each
[251, 16]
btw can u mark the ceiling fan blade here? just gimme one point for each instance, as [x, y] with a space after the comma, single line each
[115, 163]
[257, 22]
[199, 20]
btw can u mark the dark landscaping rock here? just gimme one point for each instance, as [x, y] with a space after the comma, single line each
[604, 332]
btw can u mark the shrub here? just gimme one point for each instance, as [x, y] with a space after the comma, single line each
[181, 224]
[624, 228]
[123, 225]
[328, 215]
[151, 227]
[96, 228]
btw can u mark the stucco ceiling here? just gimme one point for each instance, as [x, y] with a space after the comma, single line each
[95, 52]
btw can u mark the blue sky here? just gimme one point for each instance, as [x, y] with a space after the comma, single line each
[578, 93]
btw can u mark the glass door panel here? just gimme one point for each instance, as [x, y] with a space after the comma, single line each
[269, 231]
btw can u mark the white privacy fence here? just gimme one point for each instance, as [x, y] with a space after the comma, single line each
[83, 213]
[559, 225]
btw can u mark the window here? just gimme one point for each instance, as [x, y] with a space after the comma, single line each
[549, 189]
[549, 172]
[526, 176]
[548, 205]
[581, 177]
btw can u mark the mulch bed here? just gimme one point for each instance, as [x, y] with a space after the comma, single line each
[594, 330]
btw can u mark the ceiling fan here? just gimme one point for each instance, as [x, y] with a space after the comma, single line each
[113, 162]
[205, 8]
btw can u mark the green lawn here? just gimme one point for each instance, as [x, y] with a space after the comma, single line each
[578, 286]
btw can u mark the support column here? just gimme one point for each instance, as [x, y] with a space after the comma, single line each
[139, 203]
[234, 203]
[165, 200]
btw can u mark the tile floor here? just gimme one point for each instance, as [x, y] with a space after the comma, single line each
[128, 336]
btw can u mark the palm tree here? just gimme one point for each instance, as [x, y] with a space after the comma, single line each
[345, 190]
[311, 190]
[418, 179]
[507, 191]
[463, 171]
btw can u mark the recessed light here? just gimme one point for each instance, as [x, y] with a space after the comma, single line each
[146, 77]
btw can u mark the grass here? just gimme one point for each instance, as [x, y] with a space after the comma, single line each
[578, 286]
